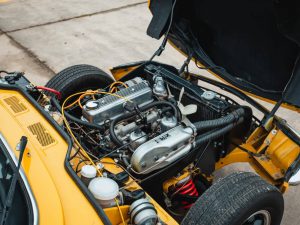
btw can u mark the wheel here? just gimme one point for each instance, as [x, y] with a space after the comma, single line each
[79, 78]
[238, 199]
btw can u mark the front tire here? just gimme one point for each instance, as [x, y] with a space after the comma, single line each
[238, 199]
[79, 78]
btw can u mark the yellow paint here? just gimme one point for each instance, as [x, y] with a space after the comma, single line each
[59, 200]
[113, 213]
[280, 153]
[235, 156]
[270, 167]
[284, 187]
[172, 182]
[119, 73]
[257, 136]
[58, 197]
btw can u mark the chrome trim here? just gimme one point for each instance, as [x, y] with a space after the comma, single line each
[25, 181]
[266, 217]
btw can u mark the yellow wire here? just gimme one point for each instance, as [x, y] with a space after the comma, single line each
[118, 82]
[79, 145]
[70, 105]
[81, 97]
[112, 88]
[120, 211]
[73, 136]
[83, 94]
[78, 101]
[68, 126]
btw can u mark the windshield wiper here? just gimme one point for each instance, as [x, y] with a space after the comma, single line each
[13, 184]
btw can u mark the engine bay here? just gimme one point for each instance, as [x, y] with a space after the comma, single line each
[142, 119]
[164, 132]
[147, 142]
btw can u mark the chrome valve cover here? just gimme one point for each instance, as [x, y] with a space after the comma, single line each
[111, 106]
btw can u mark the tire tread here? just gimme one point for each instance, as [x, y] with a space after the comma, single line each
[64, 80]
[226, 198]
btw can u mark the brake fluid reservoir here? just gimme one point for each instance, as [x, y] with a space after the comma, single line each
[106, 191]
[87, 173]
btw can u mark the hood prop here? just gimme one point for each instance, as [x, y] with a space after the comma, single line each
[164, 42]
[267, 121]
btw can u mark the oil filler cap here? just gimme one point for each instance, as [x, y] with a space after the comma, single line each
[91, 105]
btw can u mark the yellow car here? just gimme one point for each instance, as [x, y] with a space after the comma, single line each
[140, 146]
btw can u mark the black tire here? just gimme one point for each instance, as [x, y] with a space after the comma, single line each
[233, 199]
[79, 78]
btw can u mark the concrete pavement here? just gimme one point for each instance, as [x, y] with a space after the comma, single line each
[44, 37]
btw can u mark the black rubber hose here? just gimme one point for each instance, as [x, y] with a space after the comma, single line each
[162, 103]
[216, 133]
[220, 122]
[73, 118]
[125, 161]
[112, 133]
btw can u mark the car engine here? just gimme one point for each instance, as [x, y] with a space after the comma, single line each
[164, 132]
[141, 118]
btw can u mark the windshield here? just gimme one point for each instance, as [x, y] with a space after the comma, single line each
[21, 209]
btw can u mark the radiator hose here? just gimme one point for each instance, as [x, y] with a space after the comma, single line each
[231, 118]
[216, 133]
